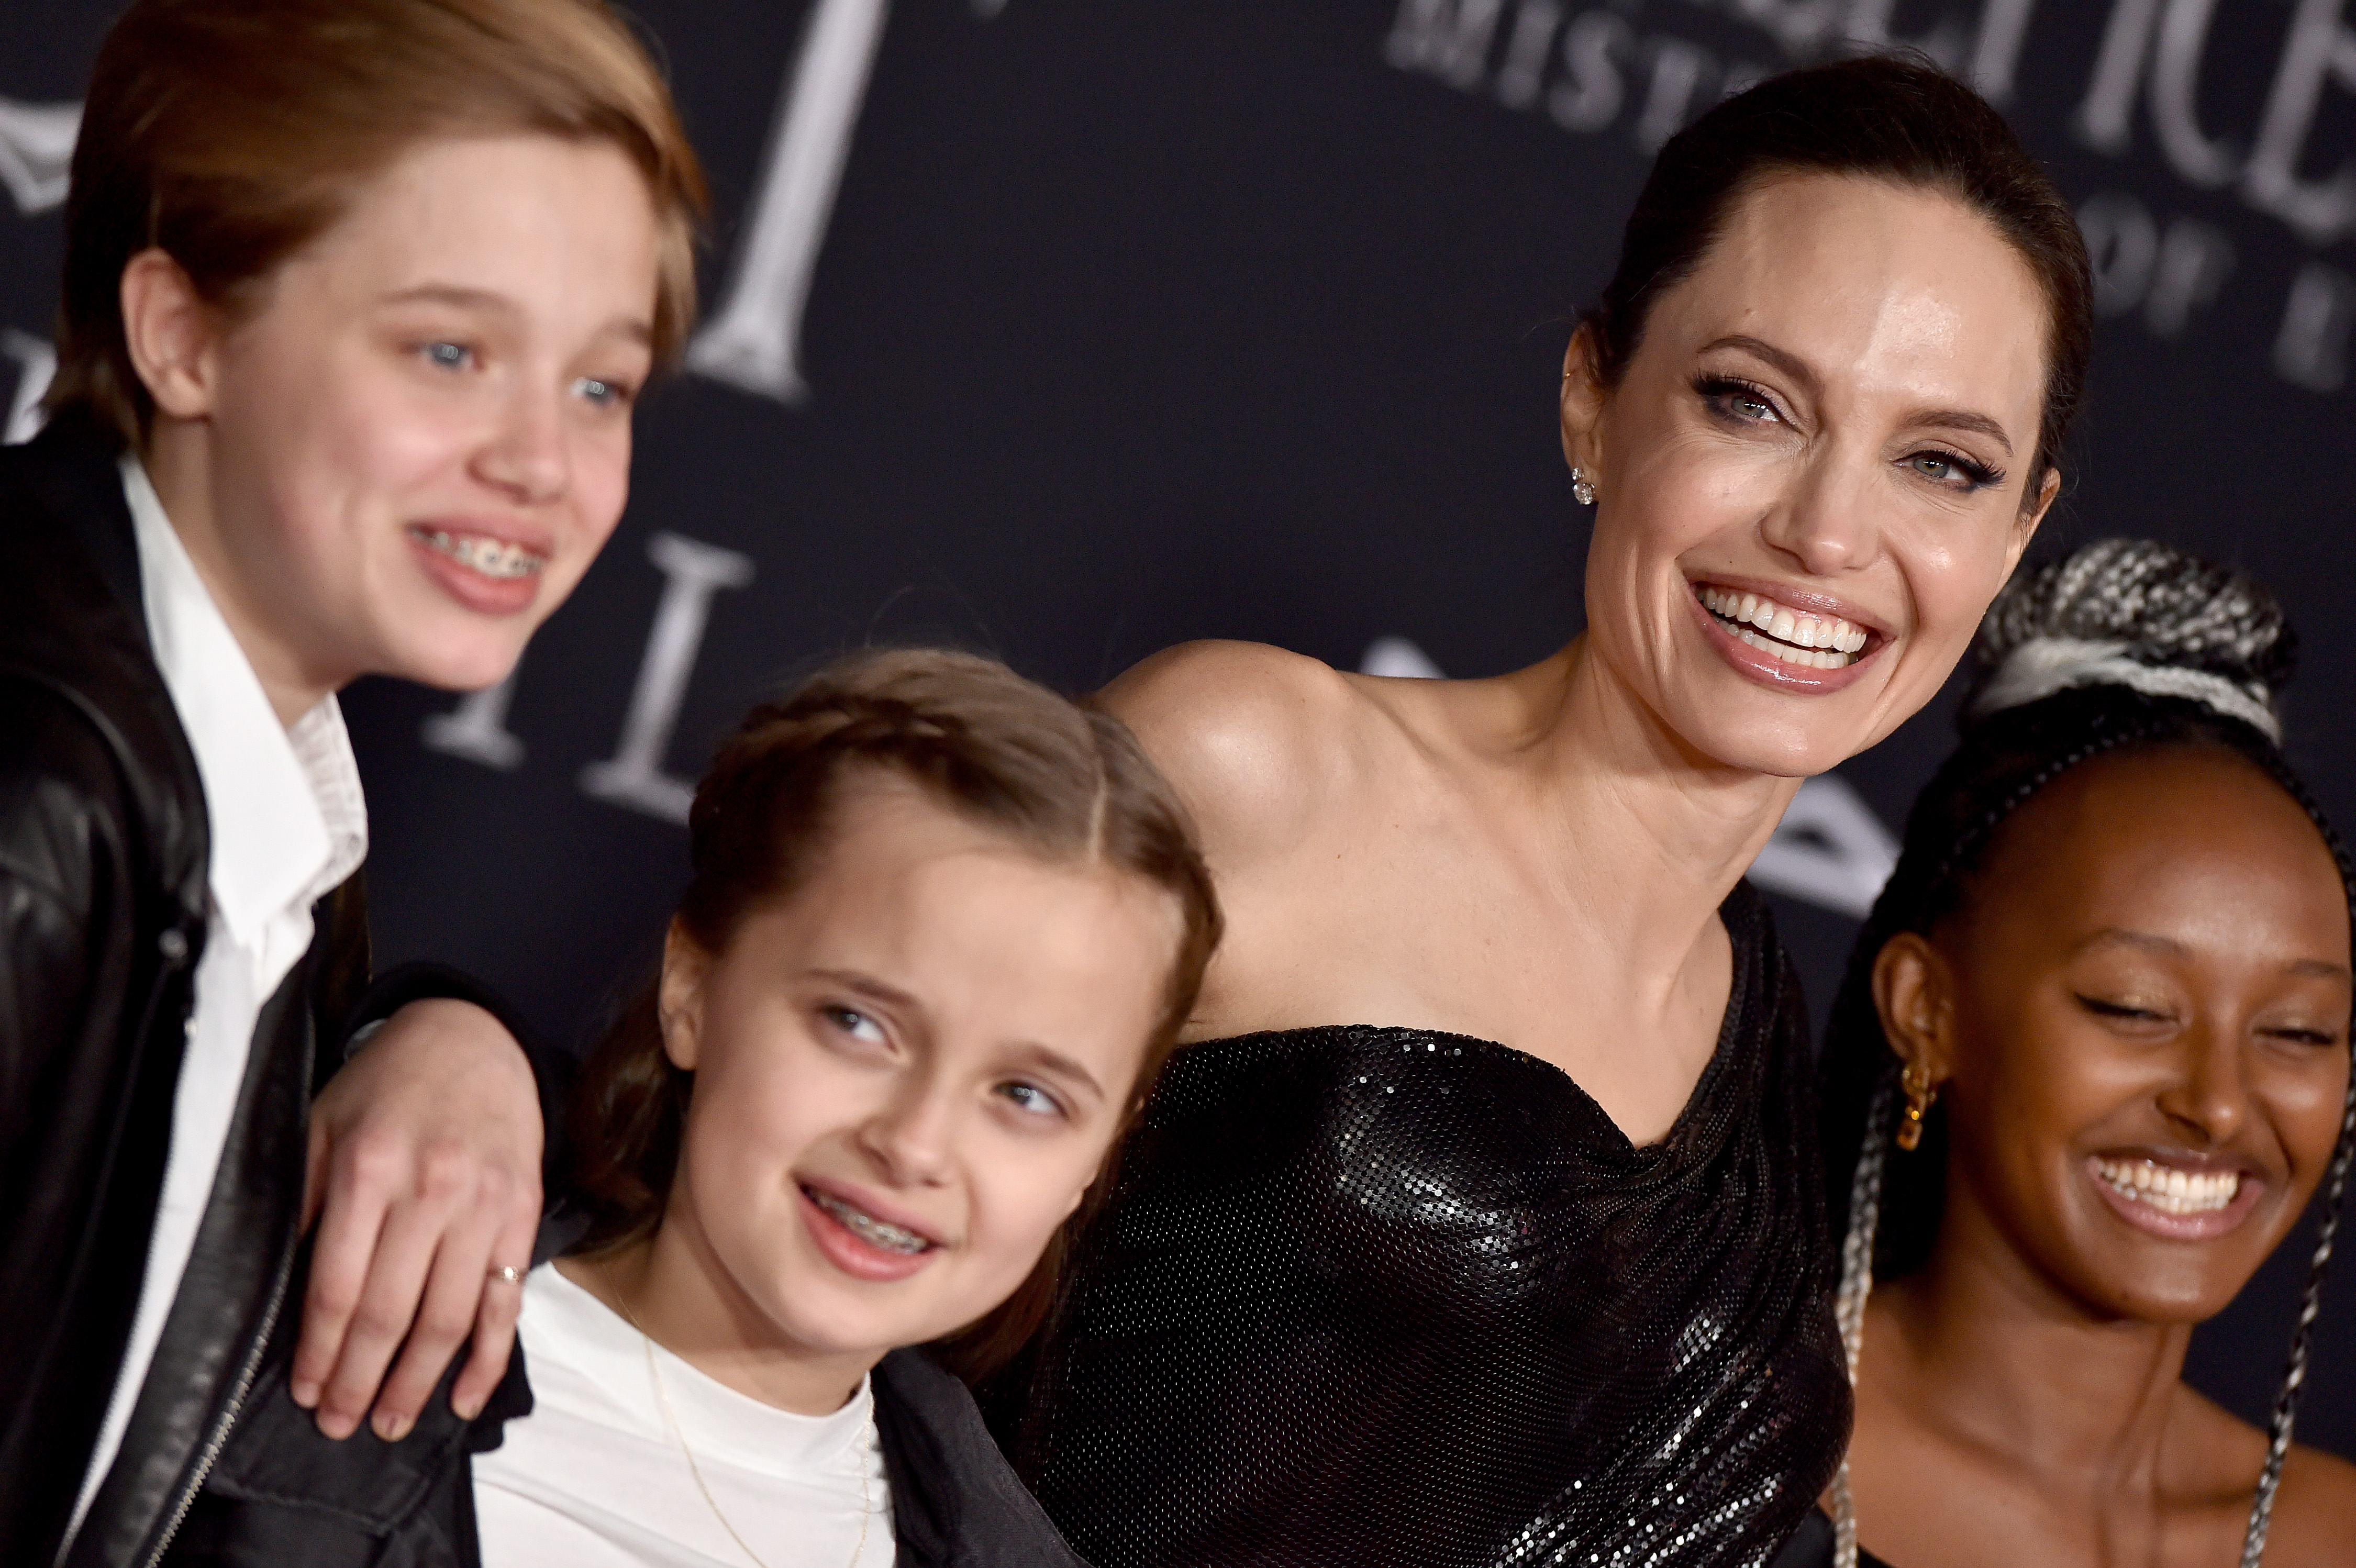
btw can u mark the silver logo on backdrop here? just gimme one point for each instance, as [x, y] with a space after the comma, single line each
[1595, 69]
[37, 143]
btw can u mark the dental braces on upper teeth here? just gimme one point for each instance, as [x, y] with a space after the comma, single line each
[1811, 641]
[487, 556]
[867, 1228]
[2170, 1191]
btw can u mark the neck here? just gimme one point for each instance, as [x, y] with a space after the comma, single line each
[1652, 835]
[677, 1294]
[1989, 1352]
[180, 464]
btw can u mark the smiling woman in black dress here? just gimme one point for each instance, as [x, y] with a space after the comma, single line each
[1481, 1223]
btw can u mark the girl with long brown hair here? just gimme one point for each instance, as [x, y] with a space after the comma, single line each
[943, 928]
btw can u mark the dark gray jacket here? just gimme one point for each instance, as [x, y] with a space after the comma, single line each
[283, 1494]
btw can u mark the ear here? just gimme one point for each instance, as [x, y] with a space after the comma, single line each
[1584, 397]
[679, 998]
[2025, 526]
[1913, 990]
[174, 336]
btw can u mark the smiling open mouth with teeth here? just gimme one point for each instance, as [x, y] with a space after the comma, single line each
[1795, 636]
[2170, 1191]
[867, 1228]
[486, 555]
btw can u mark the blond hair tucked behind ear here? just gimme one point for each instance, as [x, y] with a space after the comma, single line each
[233, 133]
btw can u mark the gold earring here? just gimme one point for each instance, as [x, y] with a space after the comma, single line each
[1920, 1093]
[1582, 487]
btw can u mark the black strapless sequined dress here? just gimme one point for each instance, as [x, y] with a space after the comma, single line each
[1395, 1299]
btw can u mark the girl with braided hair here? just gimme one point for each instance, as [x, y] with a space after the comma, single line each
[2088, 1067]
[942, 927]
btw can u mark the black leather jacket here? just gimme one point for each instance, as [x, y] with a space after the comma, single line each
[103, 863]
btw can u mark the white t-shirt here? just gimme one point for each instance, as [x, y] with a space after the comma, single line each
[594, 1476]
[288, 825]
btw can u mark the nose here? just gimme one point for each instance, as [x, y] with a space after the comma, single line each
[1825, 525]
[2206, 1096]
[526, 454]
[911, 1135]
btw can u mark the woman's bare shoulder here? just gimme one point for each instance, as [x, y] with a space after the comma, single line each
[1258, 741]
[2315, 1512]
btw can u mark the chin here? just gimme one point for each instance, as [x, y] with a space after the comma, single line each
[851, 1328]
[2149, 1290]
[1737, 734]
[471, 659]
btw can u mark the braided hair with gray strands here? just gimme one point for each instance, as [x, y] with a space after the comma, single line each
[2125, 642]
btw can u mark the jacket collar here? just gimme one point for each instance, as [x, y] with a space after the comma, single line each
[956, 1502]
[72, 618]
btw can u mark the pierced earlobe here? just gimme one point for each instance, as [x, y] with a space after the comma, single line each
[1581, 487]
[1921, 1094]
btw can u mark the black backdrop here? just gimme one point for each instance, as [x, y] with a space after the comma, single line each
[1069, 329]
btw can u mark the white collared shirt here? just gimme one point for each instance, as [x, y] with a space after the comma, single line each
[288, 825]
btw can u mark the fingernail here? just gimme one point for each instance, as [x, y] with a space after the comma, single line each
[393, 1428]
[467, 1409]
[337, 1427]
[306, 1391]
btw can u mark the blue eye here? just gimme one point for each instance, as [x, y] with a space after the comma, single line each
[448, 356]
[1033, 1099]
[602, 392]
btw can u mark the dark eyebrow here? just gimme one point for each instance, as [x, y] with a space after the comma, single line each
[1791, 365]
[1784, 359]
[2320, 968]
[2143, 939]
[1961, 419]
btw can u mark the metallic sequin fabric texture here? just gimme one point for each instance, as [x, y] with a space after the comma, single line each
[1373, 1295]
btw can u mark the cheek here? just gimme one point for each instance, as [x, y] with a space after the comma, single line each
[1020, 1199]
[2306, 1102]
[357, 453]
[1953, 568]
[2019, 1115]
[756, 1112]
[601, 486]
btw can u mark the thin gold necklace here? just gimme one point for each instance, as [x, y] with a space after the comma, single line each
[679, 1435]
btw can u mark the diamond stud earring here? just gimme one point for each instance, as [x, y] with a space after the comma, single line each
[1582, 487]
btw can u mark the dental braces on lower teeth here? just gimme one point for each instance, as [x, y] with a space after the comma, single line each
[1795, 636]
[867, 1228]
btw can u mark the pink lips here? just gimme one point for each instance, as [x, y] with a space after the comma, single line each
[853, 1253]
[1771, 672]
[475, 590]
[2205, 1224]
